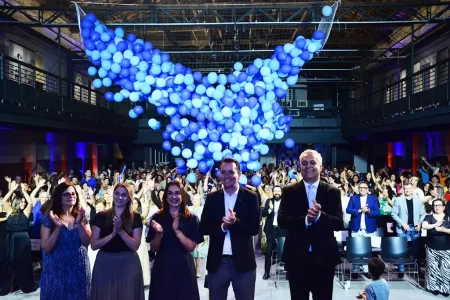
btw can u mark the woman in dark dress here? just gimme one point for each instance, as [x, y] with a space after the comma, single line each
[65, 236]
[117, 232]
[5, 211]
[173, 235]
[18, 245]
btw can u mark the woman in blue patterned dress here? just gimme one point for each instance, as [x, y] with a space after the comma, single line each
[64, 238]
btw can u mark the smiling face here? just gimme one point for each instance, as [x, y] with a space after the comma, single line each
[43, 197]
[311, 166]
[173, 196]
[438, 206]
[229, 175]
[121, 197]
[23, 204]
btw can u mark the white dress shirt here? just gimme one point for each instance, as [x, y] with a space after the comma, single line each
[276, 207]
[363, 200]
[230, 201]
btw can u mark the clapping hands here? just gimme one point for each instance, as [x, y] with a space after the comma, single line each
[229, 221]
[117, 222]
[156, 226]
[55, 219]
[314, 212]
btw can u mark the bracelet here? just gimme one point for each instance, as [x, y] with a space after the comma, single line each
[179, 234]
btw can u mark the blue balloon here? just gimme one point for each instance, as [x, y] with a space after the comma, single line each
[138, 109]
[132, 114]
[92, 71]
[243, 180]
[289, 143]
[327, 11]
[191, 178]
[256, 180]
[176, 151]
[109, 96]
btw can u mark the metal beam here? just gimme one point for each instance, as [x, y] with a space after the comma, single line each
[349, 24]
[239, 13]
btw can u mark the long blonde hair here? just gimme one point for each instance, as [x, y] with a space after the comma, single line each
[127, 215]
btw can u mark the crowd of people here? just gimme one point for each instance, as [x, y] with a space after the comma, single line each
[115, 227]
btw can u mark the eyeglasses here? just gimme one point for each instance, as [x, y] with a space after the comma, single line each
[438, 205]
[69, 194]
[363, 188]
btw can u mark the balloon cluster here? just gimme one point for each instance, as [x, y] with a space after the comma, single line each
[225, 115]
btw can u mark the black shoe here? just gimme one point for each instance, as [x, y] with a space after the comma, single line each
[355, 276]
[401, 275]
[434, 292]
[266, 276]
[445, 294]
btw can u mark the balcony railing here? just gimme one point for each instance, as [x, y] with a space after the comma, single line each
[27, 90]
[427, 88]
[26, 75]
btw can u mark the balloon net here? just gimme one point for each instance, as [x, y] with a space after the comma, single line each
[326, 23]
[80, 16]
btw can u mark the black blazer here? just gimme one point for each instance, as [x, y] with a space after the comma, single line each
[269, 230]
[320, 235]
[246, 226]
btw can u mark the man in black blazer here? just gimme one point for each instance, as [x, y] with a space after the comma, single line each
[311, 211]
[272, 230]
[231, 217]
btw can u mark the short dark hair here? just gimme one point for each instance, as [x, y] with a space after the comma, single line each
[230, 160]
[363, 182]
[438, 200]
[376, 267]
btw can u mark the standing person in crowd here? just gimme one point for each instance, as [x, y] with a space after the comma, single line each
[5, 211]
[437, 248]
[43, 197]
[386, 200]
[91, 182]
[117, 233]
[408, 213]
[364, 210]
[201, 251]
[18, 244]
[231, 218]
[311, 211]
[173, 235]
[65, 236]
[272, 230]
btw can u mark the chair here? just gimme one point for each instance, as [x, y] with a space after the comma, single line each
[277, 269]
[359, 251]
[394, 251]
[341, 237]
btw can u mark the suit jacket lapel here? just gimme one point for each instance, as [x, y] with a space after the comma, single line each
[221, 199]
[302, 193]
[239, 200]
[320, 191]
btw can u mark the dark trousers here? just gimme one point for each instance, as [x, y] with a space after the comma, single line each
[219, 281]
[311, 279]
[271, 239]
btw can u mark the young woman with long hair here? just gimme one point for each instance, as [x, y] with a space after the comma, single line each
[173, 235]
[17, 244]
[117, 233]
[65, 236]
